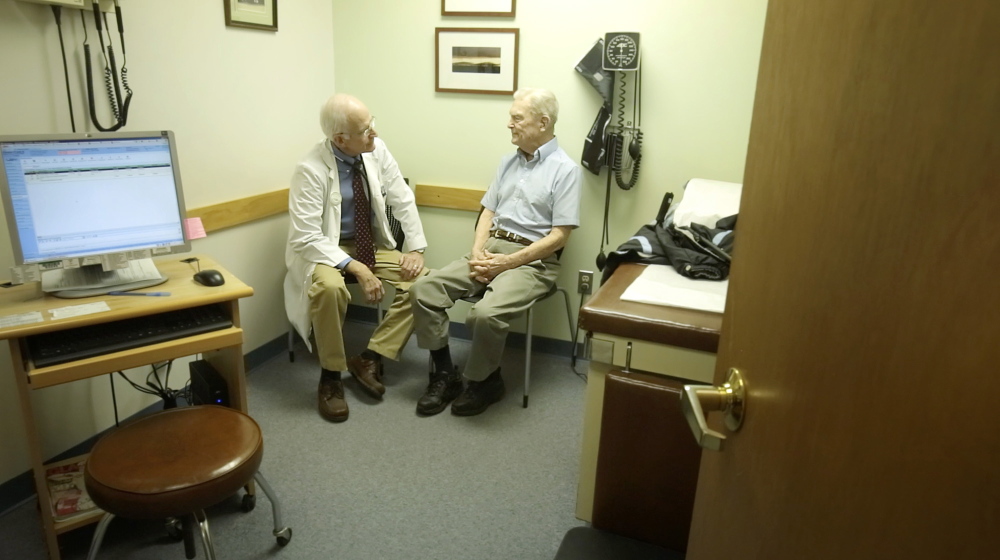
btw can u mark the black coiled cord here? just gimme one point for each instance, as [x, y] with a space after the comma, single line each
[621, 103]
[636, 160]
[119, 109]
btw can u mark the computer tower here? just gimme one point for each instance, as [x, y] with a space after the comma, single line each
[207, 386]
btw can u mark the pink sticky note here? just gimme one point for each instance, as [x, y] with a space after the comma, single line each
[194, 228]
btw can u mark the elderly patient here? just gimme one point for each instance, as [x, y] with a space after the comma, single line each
[528, 213]
[338, 225]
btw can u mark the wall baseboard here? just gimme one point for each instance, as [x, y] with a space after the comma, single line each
[366, 314]
[21, 488]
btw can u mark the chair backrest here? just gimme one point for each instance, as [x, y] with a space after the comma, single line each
[394, 225]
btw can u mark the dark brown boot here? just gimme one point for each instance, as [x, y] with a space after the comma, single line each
[442, 389]
[479, 395]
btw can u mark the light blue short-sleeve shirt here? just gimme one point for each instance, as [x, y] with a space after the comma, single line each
[529, 198]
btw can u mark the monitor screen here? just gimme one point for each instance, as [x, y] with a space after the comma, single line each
[74, 196]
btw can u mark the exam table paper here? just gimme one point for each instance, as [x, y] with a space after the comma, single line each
[660, 284]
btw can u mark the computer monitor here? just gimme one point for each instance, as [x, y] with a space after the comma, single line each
[83, 206]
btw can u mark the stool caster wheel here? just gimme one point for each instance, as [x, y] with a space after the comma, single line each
[284, 536]
[249, 502]
[174, 528]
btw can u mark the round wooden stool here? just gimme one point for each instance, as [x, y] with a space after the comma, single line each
[174, 464]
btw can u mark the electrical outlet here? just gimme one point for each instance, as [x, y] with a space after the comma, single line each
[585, 282]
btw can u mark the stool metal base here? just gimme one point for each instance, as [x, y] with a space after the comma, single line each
[281, 533]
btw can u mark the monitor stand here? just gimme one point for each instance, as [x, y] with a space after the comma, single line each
[93, 280]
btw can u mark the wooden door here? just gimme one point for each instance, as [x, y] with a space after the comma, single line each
[864, 304]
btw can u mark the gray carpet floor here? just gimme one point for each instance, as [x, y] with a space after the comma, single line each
[386, 484]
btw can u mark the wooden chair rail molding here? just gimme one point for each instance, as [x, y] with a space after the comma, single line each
[457, 198]
[243, 210]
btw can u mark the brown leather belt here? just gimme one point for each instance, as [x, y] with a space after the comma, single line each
[503, 234]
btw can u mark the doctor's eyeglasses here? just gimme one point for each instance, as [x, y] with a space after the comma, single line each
[366, 132]
[371, 128]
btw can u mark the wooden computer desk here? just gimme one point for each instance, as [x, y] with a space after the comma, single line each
[639, 461]
[222, 348]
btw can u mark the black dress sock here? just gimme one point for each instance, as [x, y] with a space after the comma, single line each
[327, 375]
[371, 355]
[442, 360]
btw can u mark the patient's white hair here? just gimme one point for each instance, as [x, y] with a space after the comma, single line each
[542, 102]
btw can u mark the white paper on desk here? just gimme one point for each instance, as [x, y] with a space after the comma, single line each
[82, 309]
[21, 319]
[660, 284]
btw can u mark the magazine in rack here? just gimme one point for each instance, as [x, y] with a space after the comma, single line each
[67, 492]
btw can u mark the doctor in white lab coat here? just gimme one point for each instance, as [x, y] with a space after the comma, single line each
[322, 248]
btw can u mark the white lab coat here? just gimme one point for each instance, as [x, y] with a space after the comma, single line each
[314, 220]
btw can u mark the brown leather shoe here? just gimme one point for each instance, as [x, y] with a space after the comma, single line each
[368, 373]
[332, 405]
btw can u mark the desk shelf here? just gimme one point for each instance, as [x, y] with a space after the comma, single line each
[39, 378]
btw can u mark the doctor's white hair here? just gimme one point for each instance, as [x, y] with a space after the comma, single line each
[541, 101]
[334, 115]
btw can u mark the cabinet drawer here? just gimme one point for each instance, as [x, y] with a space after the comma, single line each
[681, 363]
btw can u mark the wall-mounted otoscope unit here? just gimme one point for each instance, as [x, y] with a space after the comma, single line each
[621, 56]
[115, 82]
[612, 68]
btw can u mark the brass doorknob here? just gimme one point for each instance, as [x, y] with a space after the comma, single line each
[729, 398]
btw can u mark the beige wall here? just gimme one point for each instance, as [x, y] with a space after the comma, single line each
[243, 105]
[699, 68]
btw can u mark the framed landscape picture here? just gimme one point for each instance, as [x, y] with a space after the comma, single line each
[491, 8]
[253, 14]
[476, 60]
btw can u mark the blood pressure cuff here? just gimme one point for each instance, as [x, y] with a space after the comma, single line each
[594, 147]
[591, 67]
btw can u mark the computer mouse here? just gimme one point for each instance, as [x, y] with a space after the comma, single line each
[209, 277]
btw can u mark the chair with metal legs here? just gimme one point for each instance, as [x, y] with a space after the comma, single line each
[397, 233]
[348, 279]
[527, 331]
[173, 465]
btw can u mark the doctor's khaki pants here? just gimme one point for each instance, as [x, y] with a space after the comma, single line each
[510, 294]
[328, 299]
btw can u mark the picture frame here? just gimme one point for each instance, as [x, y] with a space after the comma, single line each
[483, 8]
[475, 60]
[252, 14]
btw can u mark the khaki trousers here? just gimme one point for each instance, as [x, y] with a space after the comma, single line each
[506, 297]
[328, 300]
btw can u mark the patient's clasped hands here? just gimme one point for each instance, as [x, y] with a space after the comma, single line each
[486, 267]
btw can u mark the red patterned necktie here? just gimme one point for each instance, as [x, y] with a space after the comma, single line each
[364, 245]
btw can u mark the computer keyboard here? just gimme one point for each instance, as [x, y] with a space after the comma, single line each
[58, 347]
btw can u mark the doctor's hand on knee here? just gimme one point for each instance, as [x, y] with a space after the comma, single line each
[411, 264]
[371, 286]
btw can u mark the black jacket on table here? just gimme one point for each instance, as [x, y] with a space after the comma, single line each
[695, 251]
